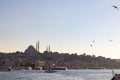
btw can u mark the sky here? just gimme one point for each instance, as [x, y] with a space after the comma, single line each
[68, 26]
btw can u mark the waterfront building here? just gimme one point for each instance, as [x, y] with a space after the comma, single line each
[39, 64]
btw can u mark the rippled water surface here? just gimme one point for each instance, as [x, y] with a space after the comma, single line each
[59, 75]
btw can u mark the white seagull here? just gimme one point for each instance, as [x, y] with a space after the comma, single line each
[115, 7]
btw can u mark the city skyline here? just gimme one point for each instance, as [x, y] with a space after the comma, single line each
[68, 26]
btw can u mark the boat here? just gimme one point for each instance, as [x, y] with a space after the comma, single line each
[50, 70]
[60, 68]
[4, 69]
[116, 77]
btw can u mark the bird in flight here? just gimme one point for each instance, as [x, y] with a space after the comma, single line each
[93, 41]
[115, 7]
[91, 45]
[110, 40]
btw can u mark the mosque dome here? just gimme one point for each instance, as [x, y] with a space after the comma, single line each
[30, 50]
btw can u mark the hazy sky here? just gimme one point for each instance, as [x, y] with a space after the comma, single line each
[68, 26]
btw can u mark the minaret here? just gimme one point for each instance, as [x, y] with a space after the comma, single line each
[37, 46]
[49, 49]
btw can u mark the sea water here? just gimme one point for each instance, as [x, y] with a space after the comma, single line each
[59, 75]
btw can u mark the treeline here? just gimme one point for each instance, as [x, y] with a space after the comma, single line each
[61, 59]
[79, 61]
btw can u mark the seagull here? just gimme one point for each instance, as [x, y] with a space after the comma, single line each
[91, 45]
[115, 7]
[93, 41]
[110, 40]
